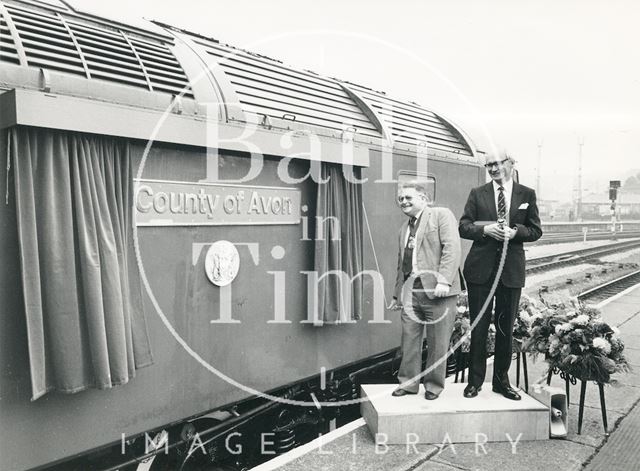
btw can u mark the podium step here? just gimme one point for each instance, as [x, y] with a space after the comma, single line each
[452, 418]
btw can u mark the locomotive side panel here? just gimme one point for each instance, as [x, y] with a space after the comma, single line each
[254, 352]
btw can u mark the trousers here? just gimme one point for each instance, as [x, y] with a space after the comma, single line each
[437, 317]
[506, 306]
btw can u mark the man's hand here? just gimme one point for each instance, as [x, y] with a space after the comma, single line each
[395, 305]
[441, 290]
[499, 232]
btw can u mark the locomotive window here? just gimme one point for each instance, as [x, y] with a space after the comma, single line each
[405, 176]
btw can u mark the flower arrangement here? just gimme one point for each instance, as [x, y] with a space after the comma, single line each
[574, 338]
[462, 325]
[542, 326]
[528, 311]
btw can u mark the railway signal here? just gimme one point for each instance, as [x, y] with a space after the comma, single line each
[613, 196]
[613, 190]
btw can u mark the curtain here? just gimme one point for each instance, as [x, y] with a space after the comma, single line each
[339, 245]
[82, 292]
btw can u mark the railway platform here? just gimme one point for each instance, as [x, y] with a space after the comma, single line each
[352, 447]
[535, 251]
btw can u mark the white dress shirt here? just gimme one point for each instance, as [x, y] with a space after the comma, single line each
[508, 189]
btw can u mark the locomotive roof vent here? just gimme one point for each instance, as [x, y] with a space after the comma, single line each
[266, 87]
[102, 61]
[409, 123]
[8, 50]
[68, 42]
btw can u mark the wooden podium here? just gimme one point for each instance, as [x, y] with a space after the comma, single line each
[489, 417]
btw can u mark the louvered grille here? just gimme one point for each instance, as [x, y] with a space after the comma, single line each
[68, 44]
[8, 51]
[165, 74]
[73, 43]
[412, 124]
[46, 41]
[265, 86]
[108, 55]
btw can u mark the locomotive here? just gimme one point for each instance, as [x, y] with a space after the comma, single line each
[204, 165]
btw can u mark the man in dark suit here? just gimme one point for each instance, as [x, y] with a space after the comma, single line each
[499, 216]
[427, 285]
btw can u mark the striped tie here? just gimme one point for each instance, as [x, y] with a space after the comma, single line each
[502, 204]
[407, 260]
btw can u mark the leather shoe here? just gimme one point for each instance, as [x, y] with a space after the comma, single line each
[471, 391]
[507, 392]
[430, 396]
[401, 392]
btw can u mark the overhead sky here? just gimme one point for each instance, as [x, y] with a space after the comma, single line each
[530, 76]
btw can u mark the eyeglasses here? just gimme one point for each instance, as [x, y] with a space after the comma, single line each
[402, 198]
[496, 164]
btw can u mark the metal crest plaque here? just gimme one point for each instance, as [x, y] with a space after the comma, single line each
[222, 263]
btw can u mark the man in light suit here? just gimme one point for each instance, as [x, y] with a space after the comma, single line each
[498, 216]
[427, 285]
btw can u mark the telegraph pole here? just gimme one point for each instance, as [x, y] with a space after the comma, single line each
[579, 199]
[538, 173]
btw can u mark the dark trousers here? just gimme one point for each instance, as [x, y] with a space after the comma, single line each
[506, 307]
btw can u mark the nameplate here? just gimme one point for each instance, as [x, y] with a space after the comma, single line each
[171, 203]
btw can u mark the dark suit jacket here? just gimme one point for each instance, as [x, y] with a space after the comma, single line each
[485, 251]
[437, 252]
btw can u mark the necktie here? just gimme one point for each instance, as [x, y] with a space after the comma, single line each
[502, 204]
[407, 259]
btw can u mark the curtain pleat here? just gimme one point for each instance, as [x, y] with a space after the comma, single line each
[81, 286]
[339, 245]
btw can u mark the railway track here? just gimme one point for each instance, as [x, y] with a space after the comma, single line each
[539, 264]
[610, 288]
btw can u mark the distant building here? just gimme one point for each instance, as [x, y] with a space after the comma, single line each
[547, 209]
[563, 212]
[597, 206]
